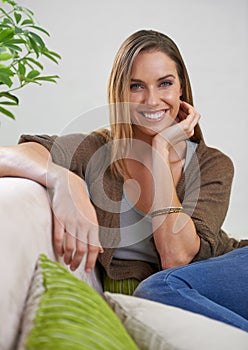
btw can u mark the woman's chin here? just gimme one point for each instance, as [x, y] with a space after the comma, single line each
[145, 133]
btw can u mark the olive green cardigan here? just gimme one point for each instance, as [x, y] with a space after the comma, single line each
[204, 191]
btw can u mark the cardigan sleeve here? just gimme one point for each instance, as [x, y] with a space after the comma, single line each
[207, 188]
[72, 151]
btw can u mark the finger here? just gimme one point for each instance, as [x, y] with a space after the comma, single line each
[194, 119]
[192, 115]
[188, 125]
[92, 255]
[186, 112]
[189, 110]
[58, 236]
[69, 247]
[94, 247]
[186, 107]
[81, 249]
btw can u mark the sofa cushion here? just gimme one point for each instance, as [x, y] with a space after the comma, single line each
[157, 326]
[63, 312]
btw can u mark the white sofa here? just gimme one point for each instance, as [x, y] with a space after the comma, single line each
[26, 231]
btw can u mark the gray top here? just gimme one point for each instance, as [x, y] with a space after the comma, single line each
[136, 227]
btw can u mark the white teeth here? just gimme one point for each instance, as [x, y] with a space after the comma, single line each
[153, 115]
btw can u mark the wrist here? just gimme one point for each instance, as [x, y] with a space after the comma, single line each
[160, 154]
[55, 175]
[160, 144]
[62, 180]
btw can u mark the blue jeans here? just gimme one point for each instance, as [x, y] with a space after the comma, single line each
[216, 288]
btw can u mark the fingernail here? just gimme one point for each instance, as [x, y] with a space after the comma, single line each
[88, 270]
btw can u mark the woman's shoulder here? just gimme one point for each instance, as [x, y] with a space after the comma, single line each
[102, 135]
[213, 157]
[75, 146]
[83, 142]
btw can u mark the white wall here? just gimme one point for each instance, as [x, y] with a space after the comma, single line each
[212, 36]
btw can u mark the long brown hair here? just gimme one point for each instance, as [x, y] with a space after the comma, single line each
[119, 89]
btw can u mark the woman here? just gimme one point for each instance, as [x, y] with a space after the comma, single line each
[153, 195]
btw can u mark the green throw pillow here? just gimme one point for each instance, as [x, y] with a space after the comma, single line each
[69, 314]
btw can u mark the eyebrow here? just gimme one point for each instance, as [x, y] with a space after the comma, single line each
[162, 78]
[167, 76]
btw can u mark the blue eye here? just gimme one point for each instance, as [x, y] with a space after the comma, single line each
[135, 86]
[166, 83]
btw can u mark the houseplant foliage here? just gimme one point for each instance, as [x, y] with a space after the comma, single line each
[21, 49]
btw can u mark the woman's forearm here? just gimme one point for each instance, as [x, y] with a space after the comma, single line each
[175, 247]
[30, 160]
[175, 235]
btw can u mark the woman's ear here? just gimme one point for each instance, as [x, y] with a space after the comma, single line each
[181, 93]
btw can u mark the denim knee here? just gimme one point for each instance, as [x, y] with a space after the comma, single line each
[161, 283]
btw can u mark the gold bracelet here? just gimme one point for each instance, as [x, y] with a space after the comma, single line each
[167, 210]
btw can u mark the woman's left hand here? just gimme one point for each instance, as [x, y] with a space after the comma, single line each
[182, 129]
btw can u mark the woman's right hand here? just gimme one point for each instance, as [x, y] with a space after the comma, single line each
[76, 230]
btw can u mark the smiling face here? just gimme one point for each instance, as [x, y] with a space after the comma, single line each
[155, 92]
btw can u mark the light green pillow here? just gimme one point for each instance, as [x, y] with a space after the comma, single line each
[66, 313]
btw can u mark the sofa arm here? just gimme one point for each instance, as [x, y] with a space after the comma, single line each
[25, 233]
[26, 226]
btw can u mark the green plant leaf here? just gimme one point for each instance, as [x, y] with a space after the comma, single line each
[38, 64]
[19, 31]
[6, 17]
[5, 75]
[53, 53]
[48, 55]
[5, 79]
[41, 29]
[12, 47]
[11, 2]
[7, 113]
[34, 46]
[6, 69]
[18, 17]
[21, 69]
[6, 34]
[38, 40]
[33, 74]
[4, 26]
[17, 41]
[50, 78]
[5, 56]
[8, 103]
[9, 96]
[20, 39]
[28, 12]
[27, 22]
[7, 21]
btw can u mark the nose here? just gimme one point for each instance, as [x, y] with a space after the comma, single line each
[152, 97]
